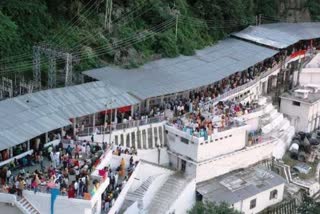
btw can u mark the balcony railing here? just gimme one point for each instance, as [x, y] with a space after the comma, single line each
[120, 126]
[247, 85]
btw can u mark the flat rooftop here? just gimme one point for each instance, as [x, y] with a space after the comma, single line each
[311, 98]
[239, 185]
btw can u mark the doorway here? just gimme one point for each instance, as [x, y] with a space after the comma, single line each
[183, 165]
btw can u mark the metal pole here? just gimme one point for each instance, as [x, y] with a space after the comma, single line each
[104, 123]
[177, 21]
[110, 132]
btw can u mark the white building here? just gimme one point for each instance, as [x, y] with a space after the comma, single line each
[302, 106]
[249, 191]
[230, 149]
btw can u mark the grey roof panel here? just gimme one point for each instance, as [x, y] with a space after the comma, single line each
[280, 35]
[166, 76]
[25, 117]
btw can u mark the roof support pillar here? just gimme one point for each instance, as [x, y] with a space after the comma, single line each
[74, 125]
[158, 138]
[162, 100]
[93, 120]
[153, 140]
[132, 111]
[46, 137]
[147, 104]
[11, 152]
[130, 140]
[115, 116]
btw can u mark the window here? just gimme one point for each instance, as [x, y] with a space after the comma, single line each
[184, 140]
[253, 203]
[216, 139]
[230, 135]
[295, 103]
[273, 194]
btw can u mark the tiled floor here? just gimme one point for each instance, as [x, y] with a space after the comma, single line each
[8, 209]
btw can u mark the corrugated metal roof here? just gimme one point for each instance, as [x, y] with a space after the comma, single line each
[240, 185]
[166, 76]
[25, 117]
[280, 35]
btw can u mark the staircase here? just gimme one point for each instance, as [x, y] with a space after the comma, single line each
[138, 194]
[26, 206]
[167, 194]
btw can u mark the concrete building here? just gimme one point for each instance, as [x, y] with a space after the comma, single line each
[230, 149]
[249, 191]
[302, 106]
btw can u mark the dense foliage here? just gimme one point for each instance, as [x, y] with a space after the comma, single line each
[211, 208]
[309, 206]
[314, 8]
[140, 30]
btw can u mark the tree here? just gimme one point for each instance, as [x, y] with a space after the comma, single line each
[309, 206]
[212, 208]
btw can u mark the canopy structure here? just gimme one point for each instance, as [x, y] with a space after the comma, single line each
[167, 76]
[280, 35]
[28, 116]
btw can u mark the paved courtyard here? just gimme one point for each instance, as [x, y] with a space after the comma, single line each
[8, 209]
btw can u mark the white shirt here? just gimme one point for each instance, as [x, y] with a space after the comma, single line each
[76, 185]
[8, 173]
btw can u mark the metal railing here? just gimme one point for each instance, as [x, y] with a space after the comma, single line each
[245, 86]
[120, 126]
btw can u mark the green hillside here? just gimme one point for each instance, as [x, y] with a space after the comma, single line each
[140, 30]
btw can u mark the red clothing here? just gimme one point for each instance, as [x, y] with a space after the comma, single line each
[71, 193]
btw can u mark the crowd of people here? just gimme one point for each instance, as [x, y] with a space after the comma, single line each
[118, 178]
[65, 167]
[223, 115]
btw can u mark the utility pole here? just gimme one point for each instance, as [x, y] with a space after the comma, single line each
[108, 14]
[260, 19]
[176, 13]
[177, 22]
[52, 72]
[36, 67]
[6, 88]
[52, 54]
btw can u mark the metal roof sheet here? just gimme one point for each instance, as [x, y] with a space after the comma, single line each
[25, 117]
[166, 76]
[280, 35]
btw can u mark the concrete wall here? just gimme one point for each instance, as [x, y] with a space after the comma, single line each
[222, 143]
[152, 155]
[309, 76]
[186, 199]
[189, 150]
[63, 204]
[217, 144]
[241, 159]
[262, 201]
[298, 115]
